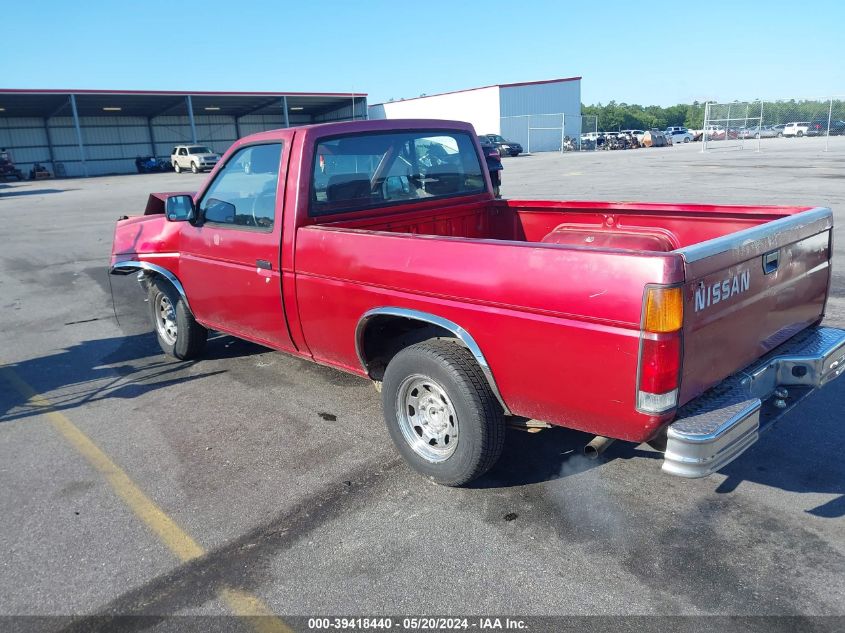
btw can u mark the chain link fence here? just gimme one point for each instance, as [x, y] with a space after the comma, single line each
[743, 124]
[551, 132]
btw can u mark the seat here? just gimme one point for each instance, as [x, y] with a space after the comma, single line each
[348, 187]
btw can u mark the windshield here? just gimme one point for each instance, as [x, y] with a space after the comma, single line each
[377, 169]
[199, 149]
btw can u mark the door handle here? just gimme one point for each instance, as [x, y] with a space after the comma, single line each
[263, 263]
[770, 262]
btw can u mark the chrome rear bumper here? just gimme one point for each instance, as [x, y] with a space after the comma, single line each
[717, 427]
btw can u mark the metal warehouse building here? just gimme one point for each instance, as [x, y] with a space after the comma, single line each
[95, 132]
[536, 114]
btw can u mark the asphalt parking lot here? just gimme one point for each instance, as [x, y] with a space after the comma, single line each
[277, 485]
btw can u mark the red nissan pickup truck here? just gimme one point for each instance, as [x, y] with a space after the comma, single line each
[378, 248]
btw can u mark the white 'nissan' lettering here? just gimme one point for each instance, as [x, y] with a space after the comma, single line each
[711, 294]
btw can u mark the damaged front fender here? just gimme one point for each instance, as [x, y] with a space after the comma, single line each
[129, 281]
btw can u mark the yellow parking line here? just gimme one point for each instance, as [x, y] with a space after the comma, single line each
[175, 538]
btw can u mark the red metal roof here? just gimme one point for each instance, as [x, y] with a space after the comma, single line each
[511, 85]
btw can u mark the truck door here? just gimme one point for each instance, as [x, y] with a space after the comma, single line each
[230, 259]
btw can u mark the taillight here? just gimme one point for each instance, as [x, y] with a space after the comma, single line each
[660, 349]
[494, 154]
[660, 369]
[664, 309]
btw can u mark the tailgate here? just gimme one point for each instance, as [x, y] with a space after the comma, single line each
[750, 291]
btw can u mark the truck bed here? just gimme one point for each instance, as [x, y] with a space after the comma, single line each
[577, 271]
[633, 226]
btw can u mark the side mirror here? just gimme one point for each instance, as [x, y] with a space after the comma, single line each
[179, 208]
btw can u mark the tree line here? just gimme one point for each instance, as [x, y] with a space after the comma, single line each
[615, 116]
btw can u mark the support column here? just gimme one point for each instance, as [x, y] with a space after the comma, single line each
[237, 127]
[50, 146]
[190, 105]
[285, 109]
[152, 136]
[78, 134]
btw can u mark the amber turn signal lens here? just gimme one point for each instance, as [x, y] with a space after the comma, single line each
[664, 310]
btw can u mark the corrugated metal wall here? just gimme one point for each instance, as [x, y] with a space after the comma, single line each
[344, 113]
[26, 139]
[113, 142]
[530, 106]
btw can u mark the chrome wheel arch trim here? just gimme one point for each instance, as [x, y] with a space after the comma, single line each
[128, 266]
[461, 335]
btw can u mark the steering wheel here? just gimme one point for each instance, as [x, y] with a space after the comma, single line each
[262, 220]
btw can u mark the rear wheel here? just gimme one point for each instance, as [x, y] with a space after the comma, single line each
[177, 168]
[800, 134]
[440, 412]
[178, 333]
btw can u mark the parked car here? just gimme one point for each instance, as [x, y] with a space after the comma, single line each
[719, 133]
[767, 131]
[494, 162]
[818, 127]
[678, 135]
[796, 129]
[197, 158]
[779, 129]
[382, 252]
[837, 127]
[505, 147]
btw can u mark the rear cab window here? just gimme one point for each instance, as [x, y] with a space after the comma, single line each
[375, 169]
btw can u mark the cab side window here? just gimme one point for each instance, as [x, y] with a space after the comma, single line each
[243, 193]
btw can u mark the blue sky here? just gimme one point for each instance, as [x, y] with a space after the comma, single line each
[650, 53]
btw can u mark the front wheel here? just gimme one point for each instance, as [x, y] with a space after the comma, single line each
[440, 412]
[800, 134]
[178, 333]
[194, 168]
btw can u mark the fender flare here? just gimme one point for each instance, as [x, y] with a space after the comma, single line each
[464, 337]
[129, 266]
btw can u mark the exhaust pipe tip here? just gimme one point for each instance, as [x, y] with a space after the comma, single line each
[597, 446]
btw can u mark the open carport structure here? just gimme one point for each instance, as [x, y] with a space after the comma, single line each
[96, 132]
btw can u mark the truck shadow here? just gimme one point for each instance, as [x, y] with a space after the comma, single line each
[801, 455]
[531, 458]
[121, 367]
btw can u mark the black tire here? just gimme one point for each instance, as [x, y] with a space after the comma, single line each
[800, 134]
[190, 337]
[479, 423]
[686, 139]
[194, 168]
[780, 134]
[177, 168]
